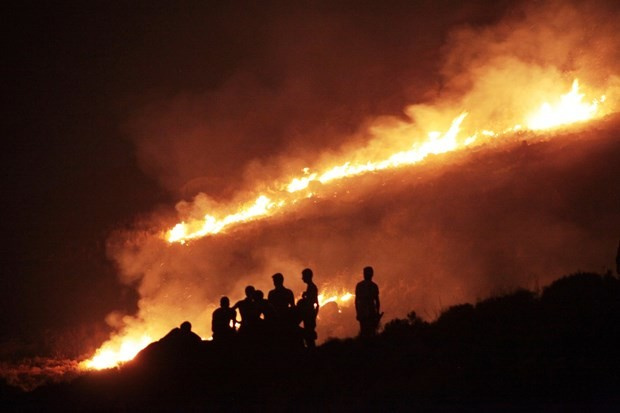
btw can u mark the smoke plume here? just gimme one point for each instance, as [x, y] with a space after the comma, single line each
[327, 85]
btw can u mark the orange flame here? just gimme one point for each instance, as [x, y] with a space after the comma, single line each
[342, 298]
[570, 108]
[111, 355]
[264, 206]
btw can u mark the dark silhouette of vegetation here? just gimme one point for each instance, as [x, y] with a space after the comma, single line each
[557, 350]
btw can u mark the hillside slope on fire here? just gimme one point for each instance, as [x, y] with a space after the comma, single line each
[518, 212]
[534, 350]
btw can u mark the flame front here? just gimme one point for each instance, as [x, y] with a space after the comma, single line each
[569, 108]
[125, 347]
[108, 357]
[297, 188]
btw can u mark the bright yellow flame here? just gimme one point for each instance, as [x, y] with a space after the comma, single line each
[569, 109]
[265, 206]
[108, 356]
[212, 225]
[298, 184]
[340, 298]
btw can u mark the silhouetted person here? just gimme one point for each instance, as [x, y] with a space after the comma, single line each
[266, 319]
[265, 310]
[180, 345]
[308, 308]
[367, 306]
[281, 298]
[223, 322]
[183, 333]
[181, 341]
[248, 309]
[618, 259]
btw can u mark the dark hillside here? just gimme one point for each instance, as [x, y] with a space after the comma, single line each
[557, 351]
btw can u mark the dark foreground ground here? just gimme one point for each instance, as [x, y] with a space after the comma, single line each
[556, 350]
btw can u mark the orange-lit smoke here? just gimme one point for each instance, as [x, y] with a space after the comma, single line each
[570, 108]
[446, 231]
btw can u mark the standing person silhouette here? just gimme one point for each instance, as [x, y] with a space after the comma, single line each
[223, 322]
[281, 298]
[308, 308]
[367, 305]
[618, 259]
[282, 301]
[250, 315]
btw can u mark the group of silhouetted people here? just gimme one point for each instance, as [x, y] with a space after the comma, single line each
[276, 318]
[280, 319]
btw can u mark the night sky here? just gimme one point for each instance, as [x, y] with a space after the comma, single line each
[114, 113]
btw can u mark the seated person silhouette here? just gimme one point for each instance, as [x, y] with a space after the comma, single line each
[181, 344]
[181, 336]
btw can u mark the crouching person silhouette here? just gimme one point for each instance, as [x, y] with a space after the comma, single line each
[182, 335]
[180, 345]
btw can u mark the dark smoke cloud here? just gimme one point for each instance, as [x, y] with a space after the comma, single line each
[456, 229]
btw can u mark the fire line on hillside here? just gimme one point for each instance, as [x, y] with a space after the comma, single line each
[555, 112]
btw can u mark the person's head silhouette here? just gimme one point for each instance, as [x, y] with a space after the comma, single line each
[186, 326]
[368, 273]
[278, 279]
[306, 275]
